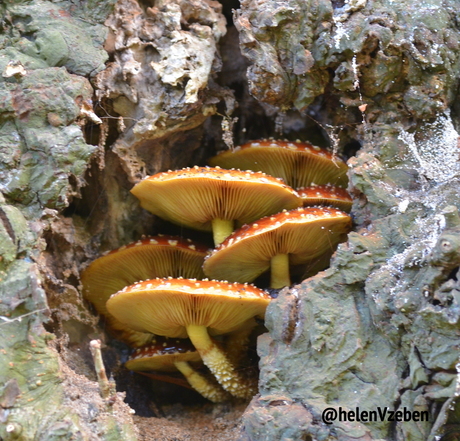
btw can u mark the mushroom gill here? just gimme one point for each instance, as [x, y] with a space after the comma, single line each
[299, 164]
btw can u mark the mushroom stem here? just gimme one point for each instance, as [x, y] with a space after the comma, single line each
[218, 363]
[279, 267]
[202, 385]
[221, 229]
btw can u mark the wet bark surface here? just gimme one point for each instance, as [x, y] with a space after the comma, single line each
[95, 96]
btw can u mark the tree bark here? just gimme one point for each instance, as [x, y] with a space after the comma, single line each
[380, 327]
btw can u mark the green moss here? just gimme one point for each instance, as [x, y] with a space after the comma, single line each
[39, 158]
[57, 37]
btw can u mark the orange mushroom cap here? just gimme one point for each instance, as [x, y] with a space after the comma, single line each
[166, 306]
[304, 234]
[161, 354]
[158, 256]
[299, 164]
[193, 197]
[329, 195]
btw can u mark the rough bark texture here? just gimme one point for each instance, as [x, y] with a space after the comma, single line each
[43, 159]
[81, 122]
[380, 327]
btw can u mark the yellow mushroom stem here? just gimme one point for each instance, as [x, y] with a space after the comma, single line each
[221, 229]
[212, 391]
[218, 363]
[279, 271]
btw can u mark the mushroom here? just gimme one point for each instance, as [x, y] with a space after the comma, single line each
[329, 195]
[182, 308]
[211, 199]
[179, 354]
[299, 164]
[275, 242]
[158, 256]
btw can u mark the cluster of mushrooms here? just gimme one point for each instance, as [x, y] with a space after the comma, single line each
[285, 213]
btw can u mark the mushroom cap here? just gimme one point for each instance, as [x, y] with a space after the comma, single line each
[299, 164]
[162, 354]
[329, 195]
[304, 234]
[193, 197]
[167, 306]
[158, 256]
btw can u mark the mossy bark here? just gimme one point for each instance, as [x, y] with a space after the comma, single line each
[48, 53]
[96, 95]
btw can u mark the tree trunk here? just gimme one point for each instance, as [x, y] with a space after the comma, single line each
[96, 95]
